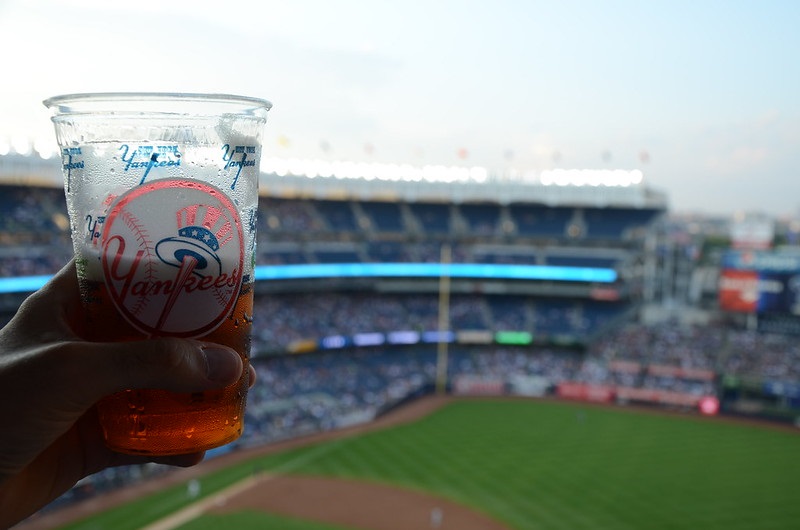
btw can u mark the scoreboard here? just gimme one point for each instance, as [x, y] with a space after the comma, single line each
[760, 282]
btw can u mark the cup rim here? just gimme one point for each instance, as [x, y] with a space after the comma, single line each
[104, 101]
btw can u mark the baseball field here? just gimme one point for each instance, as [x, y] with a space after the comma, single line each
[497, 464]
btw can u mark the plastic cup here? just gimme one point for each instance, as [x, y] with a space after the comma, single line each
[162, 193]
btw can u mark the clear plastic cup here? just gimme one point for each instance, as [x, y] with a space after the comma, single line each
[162, 193]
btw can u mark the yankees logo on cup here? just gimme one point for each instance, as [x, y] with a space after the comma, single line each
[194, 229]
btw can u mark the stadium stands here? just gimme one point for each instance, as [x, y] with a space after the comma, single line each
[338, 215]
[482, 219]
[294, 230]
[382, 216]
[541, 221]
[359, 347]
[434, 218]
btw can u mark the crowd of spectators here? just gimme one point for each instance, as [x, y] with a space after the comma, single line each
[34, 231]
[762, 355]
[315, 392]
[697, 347]
[292, 317]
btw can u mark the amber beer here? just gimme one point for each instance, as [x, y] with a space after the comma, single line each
[162, 422]
[170, 259]
[162, 193]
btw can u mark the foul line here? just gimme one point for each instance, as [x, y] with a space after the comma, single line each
[221, 497]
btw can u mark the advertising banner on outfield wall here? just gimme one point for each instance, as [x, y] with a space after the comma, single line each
[678, 372]
[584, 392]
[607, 394]
[528, 385]
[473, 385]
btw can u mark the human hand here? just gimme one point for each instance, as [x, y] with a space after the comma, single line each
[50, 380]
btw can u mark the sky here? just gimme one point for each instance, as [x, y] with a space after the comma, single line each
[702, 95]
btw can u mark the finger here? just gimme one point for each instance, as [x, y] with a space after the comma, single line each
[60, 289]
[253, 375]
[168, 363]
[44, 315]
[89, 371]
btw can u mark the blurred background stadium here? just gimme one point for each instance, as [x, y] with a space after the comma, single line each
[379, 284]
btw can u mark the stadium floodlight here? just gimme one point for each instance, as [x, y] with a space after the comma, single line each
[410, 173]
[431, 172]
[278, 166]
[616, 178]
[478, 174]
[297, 167]
[437, 173]
[579, 178]
[562, 177]
[44, 148]
[308, 168]
[363, 171]
[337, 169]
[620, 177]
[385, 172]
[323, 169]
[21, 145]
[344, 169]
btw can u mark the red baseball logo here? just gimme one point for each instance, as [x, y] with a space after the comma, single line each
[173, 252]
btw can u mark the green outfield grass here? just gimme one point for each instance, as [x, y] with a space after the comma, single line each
[545, 465]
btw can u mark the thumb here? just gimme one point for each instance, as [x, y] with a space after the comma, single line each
[179, 365]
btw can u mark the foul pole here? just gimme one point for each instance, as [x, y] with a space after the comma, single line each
[444, 319]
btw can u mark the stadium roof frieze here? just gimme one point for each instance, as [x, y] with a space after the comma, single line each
[495, 191]
[572, 188]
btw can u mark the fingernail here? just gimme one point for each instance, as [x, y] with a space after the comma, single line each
[222, 365]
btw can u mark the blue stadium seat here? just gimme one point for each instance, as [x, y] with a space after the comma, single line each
[384, 216]
[481, 219]
[338, 214]
[541, 221]
[434, 218]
